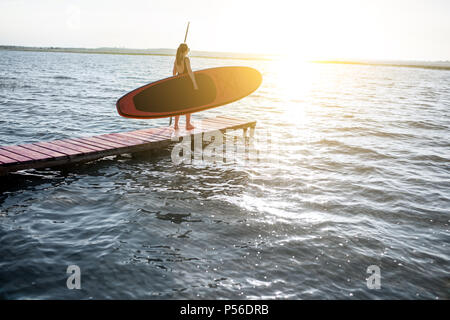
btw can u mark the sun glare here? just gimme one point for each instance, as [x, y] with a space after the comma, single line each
[294, 80]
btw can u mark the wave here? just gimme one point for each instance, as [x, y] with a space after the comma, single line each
[63, 78]
[344, 148]
[418, 124]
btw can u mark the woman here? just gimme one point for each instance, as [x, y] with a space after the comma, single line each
[182, 65]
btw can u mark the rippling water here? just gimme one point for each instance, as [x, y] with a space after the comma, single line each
[358, 175]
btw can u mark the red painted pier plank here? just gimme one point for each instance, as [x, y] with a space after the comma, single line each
[45, 151]
[227, 118]
[222, 126]
[128, 141]
[27, 153]
[14, 156]
[133, 135]
[106, 143]
[6, 160]
[151, 136]
[223, 122]
[57, 148]
[161, 132]
[79, 147]
[88, 144]
[208, 126]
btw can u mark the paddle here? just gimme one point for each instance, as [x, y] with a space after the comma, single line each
[185, 37]
[187, 30]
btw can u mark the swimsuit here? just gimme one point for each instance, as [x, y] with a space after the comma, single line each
[184, 69]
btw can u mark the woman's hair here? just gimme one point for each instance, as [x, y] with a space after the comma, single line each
[181, 49]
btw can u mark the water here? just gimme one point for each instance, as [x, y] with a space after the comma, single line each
[358, 176]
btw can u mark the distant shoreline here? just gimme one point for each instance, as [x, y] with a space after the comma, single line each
[223, 55]
[140, 52]
[436, 66]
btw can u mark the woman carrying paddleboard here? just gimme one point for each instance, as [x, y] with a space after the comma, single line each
[182, 65]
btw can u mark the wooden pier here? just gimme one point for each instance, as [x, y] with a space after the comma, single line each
[71, 151]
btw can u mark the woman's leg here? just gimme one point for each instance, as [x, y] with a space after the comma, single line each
[177, 118]
[189, 126]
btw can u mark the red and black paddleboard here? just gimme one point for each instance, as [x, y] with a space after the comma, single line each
[176, 95]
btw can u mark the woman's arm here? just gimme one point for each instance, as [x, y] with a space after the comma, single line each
[191, 74]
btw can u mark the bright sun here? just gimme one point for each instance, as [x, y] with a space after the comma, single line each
[294, 80]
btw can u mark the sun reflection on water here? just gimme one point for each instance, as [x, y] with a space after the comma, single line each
[294, 81]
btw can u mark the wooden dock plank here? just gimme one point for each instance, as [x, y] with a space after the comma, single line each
[69, 151]
[6, 160]
[225, 125]
[127, 140]
[74, 146]
[199, 129]
[45, 151]
[210, 125]
[82, 146]
[148, 136]
[227, 118]
[14, 156]
[57, 148]
[18, 151]
[117, 142]
[106, 143]
[205, 123]
[164, 132]
[224, 121]
[133, 135]
[91, 144]
[152, 135]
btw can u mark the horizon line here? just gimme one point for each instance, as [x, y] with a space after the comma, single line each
[438, 64]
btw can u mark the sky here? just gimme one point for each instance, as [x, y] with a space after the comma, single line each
[315, 29]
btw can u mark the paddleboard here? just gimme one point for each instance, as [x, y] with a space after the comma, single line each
[176, 95]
